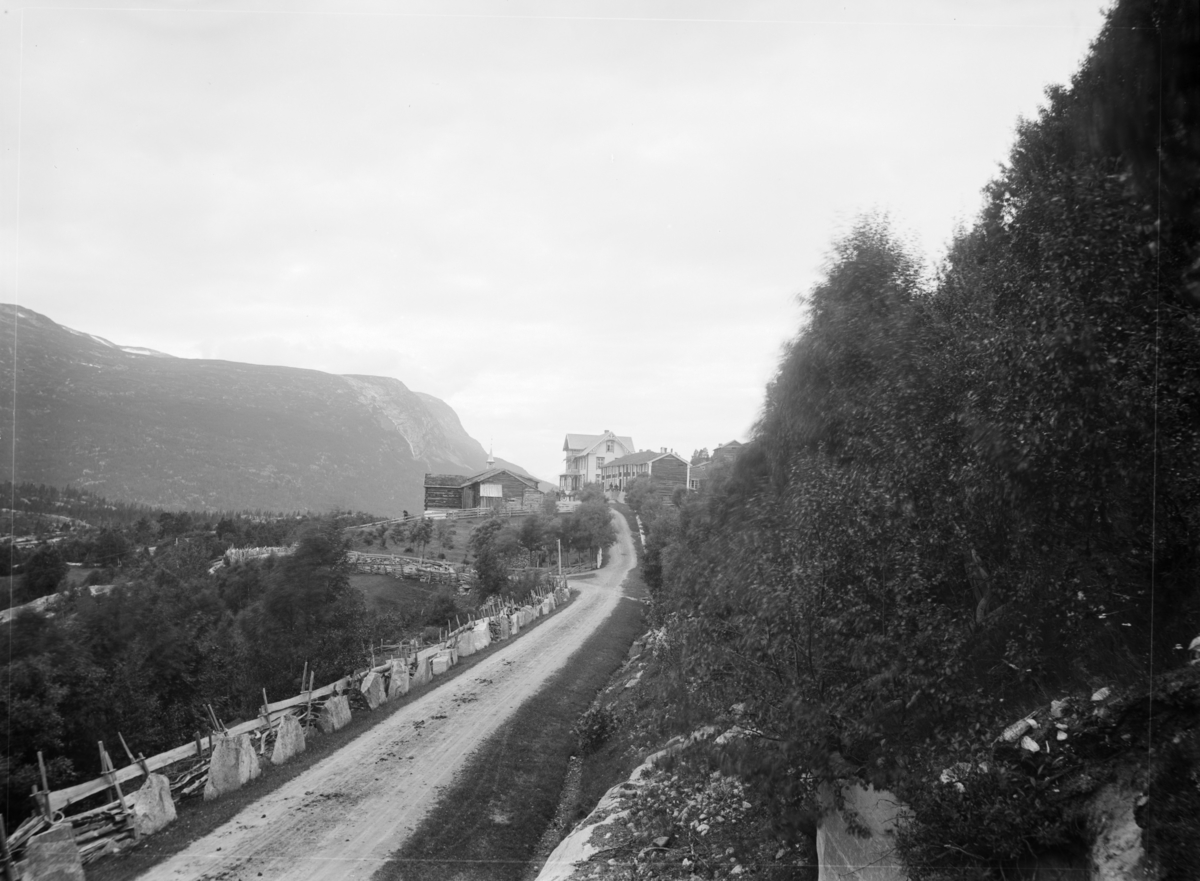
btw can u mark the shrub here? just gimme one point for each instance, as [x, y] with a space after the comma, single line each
[595, 727]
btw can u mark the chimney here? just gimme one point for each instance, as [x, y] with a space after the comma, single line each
[662, 449]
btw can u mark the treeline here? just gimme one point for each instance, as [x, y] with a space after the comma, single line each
[146, 658]
[32, 499]
[973, 490]
[108, 537]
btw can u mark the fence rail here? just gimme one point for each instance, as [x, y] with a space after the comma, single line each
[115, 818]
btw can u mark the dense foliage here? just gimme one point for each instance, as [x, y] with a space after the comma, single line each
[972, 490]
[145, 658]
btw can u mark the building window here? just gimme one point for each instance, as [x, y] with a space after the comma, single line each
[608, 447]
[599, 461]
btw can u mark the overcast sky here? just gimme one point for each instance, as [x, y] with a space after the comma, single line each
[557, 216]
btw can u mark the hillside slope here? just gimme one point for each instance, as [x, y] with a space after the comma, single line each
[138, 425]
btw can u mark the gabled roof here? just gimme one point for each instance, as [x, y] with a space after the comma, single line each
[492, 472]
[454, 480]
[585, 442]
[641, 458]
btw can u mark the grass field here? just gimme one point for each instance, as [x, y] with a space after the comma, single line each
[387, 594]
[488, 825]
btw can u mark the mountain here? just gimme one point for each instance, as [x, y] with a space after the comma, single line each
[137, 425]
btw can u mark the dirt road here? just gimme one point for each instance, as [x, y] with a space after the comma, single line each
[342, 818]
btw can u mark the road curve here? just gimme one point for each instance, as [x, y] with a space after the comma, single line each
[345, 815]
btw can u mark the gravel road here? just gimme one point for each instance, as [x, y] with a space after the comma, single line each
[346, 814]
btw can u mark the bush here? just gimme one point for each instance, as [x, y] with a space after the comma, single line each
[595, 727]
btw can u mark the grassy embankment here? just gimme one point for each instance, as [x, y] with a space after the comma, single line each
[197, 818]
[488, 825]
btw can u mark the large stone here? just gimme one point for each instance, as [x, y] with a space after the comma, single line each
[466, 644]
[514, 624]
[152, 805]
[233, 763]
[483, 636]
[424, 672]
[847, 855]
[289, 740]
[398, 678]
[1116, 853]
[334, 715]
[53, 856]
[372, 689]
[441, 663]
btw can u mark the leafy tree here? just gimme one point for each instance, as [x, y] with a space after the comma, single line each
[592, 492]
[420, 533]
[531, 536]
[43, 572]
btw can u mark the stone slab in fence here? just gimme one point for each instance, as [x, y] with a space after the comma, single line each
[289, 740]
[466, 644]
[152, 806]
[398, 679]
[233, 764]
[334, 715]
[440, 664]
[424, 672]
[53, 856]
[372, 689]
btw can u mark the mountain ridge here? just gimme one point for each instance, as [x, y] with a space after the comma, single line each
[144, 426]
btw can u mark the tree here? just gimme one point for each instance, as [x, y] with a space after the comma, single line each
[493, 546]
[592, 492]
[420, 533]
[44, 571]
[445, 534]
[699, 456]
[530, 536]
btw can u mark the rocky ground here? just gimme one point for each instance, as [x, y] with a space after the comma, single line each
[674, 815]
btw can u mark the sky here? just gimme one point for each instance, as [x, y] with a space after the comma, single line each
[558, 217]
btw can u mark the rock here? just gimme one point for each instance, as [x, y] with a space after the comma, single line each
[232, 764]
[1057, 709]
[289, 740]
[423, 674]
[334, 715]
[397, 679]
[1016, 729]
[1102, 694]
[1030, 745]
[1116, 853]
[53, 856]
[152, 805]
[372, 689]
[844, 855]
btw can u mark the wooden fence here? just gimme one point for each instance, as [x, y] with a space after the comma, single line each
[99, 830]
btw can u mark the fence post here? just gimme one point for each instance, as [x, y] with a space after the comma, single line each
[5, 854]
[106, 766]
[44, 799]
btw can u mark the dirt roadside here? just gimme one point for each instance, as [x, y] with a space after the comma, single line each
[345, 815]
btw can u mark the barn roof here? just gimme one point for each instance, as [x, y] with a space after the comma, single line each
[640, 458]
[492, 472]
[444, 480]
